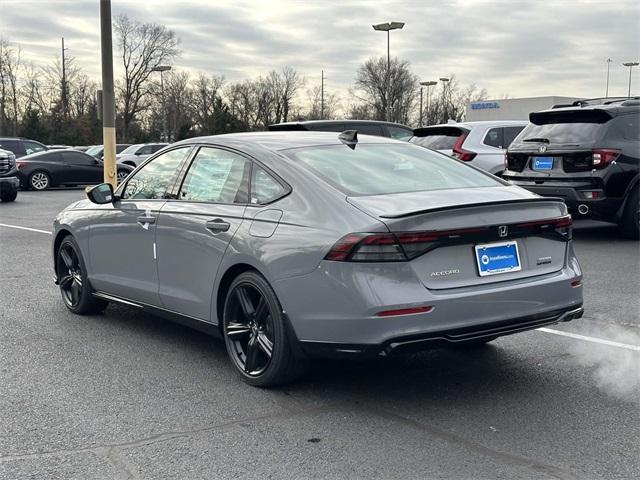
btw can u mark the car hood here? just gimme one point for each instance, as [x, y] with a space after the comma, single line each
[403, 204]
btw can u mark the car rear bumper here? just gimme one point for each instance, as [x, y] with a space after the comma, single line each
[341, 302]
[459, 336]
[9, 183]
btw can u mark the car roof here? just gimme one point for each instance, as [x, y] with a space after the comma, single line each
[335, 122]
[282, 140]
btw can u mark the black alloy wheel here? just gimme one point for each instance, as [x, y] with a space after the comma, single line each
[255, 333]
[72, 280]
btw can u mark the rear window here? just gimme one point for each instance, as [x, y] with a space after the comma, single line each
[378, 169]
[438, 138]
[565, 127]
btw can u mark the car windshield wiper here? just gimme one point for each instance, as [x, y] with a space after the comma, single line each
[537, 140]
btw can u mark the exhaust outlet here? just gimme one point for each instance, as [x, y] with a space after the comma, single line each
[583, 209]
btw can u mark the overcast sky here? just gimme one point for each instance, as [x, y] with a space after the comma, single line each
[519, 48]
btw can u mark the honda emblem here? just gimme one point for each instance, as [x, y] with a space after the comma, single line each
[503, 231]
[542, 149]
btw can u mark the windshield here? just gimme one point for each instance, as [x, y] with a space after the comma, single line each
[93, 150]
[563, 133]
[131, 149]
[378, 169]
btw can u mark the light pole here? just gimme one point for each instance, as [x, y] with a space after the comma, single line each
[608, 63]
[163, 68]
[387, 27]
[444, 81]
[428, 85]
[108, 97]
[630, 65]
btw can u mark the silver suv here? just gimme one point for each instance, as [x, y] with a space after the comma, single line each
[483, 144]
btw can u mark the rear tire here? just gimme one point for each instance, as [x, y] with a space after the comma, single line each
[630, 224]
[39, 180]
[122, 175]
[9, 196]
[256, 335]
[72, 280]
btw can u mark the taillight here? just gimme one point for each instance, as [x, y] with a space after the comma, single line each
[561, 226]
[601, 157]
[461, 153]
[390, 247]
[20, 164]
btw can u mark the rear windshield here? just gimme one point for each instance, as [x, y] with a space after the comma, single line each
[377, 169]
[438, 138]
[564, 127]
[132, 148]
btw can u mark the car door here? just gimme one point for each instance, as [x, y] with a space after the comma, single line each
[195, 229]
[80, 168]
[122, 248]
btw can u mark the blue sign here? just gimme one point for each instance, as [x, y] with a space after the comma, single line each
[484, 105]
[498, 258]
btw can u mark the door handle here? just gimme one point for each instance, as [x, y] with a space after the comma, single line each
[217, 225]
[145, 219]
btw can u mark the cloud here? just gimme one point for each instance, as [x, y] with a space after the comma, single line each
[519, 48]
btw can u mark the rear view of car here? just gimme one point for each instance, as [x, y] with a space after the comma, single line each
[589, 155]
[483, 144]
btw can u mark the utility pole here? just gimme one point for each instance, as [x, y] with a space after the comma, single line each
[64, 82]
[630, 65]
[387, 27]
[608, 63]
[322, 96]
[108, 97]
[428, 85]
[163, 68]
[444, 81]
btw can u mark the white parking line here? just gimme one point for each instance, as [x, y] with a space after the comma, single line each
[25, 228]
[592, 339]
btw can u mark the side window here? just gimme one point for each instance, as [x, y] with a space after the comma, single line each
[146, 150]
[630, 126]
[75, 158]
[13, 145]
[154, 179]
[33, 147]
[510, 133]
[494, 138]
[216, 176]
[399, 133]
[264, 188]
[367, 129]
[155, 148]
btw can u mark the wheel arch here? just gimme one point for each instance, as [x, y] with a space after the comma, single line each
[60, 235]
[223, 287]
[633, 184]
[39, 169]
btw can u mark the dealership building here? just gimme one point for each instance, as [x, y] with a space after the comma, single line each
[511, 108]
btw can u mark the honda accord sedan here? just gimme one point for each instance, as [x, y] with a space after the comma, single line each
[291, 245]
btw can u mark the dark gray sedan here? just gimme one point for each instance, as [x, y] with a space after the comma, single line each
[295, 244]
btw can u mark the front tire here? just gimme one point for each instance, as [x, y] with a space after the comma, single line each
[72, 280]
[256, 334]
[121, 175]
[9, 196]
[630, 223]
[39, 180]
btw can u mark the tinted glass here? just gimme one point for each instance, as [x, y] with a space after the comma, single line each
[264, 188]
[630, 126]
[510, 133]
[366, 129]
[94, 150]
[146, 150]
[493, 138]
[562, 133]
[216, 176]
[120, 148]
[77, 158]
[437, 142]
[32, 147]
[154, 179]
[385, 169]
[12, 145]
[132, 148]
[156, 148]
[399, 133]
[332, 127]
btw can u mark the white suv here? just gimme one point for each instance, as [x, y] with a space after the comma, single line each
[135, 154]
[482, 143]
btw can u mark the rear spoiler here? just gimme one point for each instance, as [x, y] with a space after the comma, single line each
[444, 130]
[286, 127]
[574, 115]
[471, 205]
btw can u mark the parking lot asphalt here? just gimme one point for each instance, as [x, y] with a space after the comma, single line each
[125, 395]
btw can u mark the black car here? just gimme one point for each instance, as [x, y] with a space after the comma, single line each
[588, 154]
[8, 180]
[63, 167]
[365, 127]
[21, 146]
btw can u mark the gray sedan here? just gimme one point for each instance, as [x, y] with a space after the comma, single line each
[291, 245]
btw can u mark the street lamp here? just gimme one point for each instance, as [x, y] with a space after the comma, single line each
[630, 65]
[444, 81]
[428, 85]
[387, 27]
[608, 63]
[163, 68]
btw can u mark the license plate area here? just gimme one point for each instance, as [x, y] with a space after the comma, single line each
[496, 258]
[542, 163]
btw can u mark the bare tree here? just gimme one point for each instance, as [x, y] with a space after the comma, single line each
[284, 86]
[315, 109]
[143, 46]
[389, 92]
[9, 66]
[207, 104]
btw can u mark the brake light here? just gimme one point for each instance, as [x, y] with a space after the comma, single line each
[561, 225]
[390, 247]
[19, 165]
[461, 153]
[405, 311]
[603, 157]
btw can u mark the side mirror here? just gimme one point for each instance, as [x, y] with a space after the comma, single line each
[100, 194]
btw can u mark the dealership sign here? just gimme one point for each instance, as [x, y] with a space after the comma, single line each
[484, 105]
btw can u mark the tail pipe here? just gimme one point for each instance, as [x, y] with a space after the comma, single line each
[583, 209]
